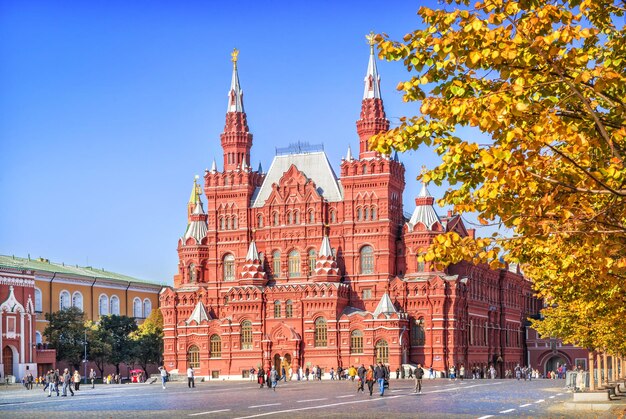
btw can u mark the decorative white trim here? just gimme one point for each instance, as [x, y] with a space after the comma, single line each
[17, 281]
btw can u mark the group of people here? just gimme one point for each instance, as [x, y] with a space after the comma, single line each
[67, 381]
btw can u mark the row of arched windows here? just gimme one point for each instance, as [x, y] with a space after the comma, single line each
[106, 305]
[288, 309]
[228, 223]
[366, 257]
[293, 217]
[366, 213]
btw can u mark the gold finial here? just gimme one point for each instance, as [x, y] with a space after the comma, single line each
[370, 38]
[424, 170]
[234, 55]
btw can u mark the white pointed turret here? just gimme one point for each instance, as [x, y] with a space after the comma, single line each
[253, 253]
[199, 314]
[252, 272]
[326, 269]
[214, 166]
[372, 79]
[325, 249]
[197, 227]
[349, 154]
[235, 94]
[424, 212]
[244, 166]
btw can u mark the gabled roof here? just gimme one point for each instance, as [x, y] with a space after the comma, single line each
[385, 306]
[315, 167]
[199, 314]
[424, 212]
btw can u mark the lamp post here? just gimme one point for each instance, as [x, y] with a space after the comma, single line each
[85, 360]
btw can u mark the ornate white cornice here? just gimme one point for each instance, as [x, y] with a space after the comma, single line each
[17, 281]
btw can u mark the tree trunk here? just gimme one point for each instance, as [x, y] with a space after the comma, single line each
[592, 378]
[606, 368]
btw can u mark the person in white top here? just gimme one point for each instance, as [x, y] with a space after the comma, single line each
[190, 378]
[163, 376]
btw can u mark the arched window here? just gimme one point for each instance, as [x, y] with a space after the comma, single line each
[276, 264]
[277, 309]
[259, 221]
[289, 219]
[136, 308]
[221, 223]
[194, 356]
[288, 309]
[147, 308]
[311, 217]
[294, 264]
[374, 213]
[359, 214]
[366, 213]
[312, 260]
[246, 334]
[356, 342]
[364, 169]
[115, 305]
[64, 300]
[77, 300]
[275, 219]
[38, 303]
[38, 339]
[320, 332]
[418, 337]
[367, 260]
[103, 301]
[234, 223]
[296, 217]
[382, 351]
[192, 273]
[216, 347]
[228, 223]
[333, 216]
[229, 267]
[421, 267]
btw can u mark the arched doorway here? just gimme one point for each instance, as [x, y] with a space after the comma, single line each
[277, 363]
[287, 363]
[553, 363]
[7, 360]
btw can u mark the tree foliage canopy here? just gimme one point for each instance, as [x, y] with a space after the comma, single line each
[148, 340]
[545, 82]
[66, 332]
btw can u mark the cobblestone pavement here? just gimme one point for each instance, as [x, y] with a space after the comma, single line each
[243, 399]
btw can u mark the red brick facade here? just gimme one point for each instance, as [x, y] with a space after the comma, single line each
[299, 267]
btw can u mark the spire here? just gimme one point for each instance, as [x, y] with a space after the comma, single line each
[196, 191]
[199, 314]
[326, 269]
[385, 306]
[372, 79]
[197, 226]
[214, 166]
[236, 138]
[349, 154]
[244, 166]
[235, 94]
[373, 119]
[252, 272]
[260, 169]
[424, 212]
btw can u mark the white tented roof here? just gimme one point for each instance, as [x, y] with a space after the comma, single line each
[314, 165]
[424, 214]
[199, 314]
[385, 306]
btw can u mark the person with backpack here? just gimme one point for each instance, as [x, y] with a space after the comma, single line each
[369, 378]
[419, 374]
[274, 378]
[361, 374]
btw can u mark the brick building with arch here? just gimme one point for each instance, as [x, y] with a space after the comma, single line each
[299, 267]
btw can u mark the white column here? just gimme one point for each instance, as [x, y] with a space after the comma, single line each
[21, 337]
[30, 334]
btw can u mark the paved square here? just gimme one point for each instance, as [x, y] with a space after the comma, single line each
[244, 399]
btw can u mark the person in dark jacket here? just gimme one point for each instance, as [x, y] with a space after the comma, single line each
[361, 373]
[419, 374]
[380, 372]
[261, 377]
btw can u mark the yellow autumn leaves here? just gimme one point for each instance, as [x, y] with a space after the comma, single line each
[546, 84]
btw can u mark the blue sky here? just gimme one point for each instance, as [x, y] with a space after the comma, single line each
[109, 109]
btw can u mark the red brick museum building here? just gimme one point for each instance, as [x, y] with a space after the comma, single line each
[302, 267]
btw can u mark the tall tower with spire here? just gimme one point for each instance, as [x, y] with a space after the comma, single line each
[373, 119]
[236, 138]
[194, 198]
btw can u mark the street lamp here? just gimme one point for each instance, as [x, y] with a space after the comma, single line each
[85, 360]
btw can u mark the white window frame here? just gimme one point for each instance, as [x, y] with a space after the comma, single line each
[103, 307]
[69, 300]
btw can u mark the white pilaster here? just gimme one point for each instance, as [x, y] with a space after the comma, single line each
[21, 337]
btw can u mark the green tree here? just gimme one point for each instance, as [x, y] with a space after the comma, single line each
[116, 331]
[148, 341]
[65, 333]
[545, 83]
[99, 348]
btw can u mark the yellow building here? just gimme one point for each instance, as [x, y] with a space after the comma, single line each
[95, 291]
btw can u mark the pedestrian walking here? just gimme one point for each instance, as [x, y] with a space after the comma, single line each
[369, 378]
[361, 374]
[76, 379]
[163, 372]
[261, 377]
[419, 374]
[379, 375]
[92, 377]
[50, 383]
[191, 378]
[306, 373]
[274, 378]
[67, 383]
[462, 372]
[252, 374]
[283, 373]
